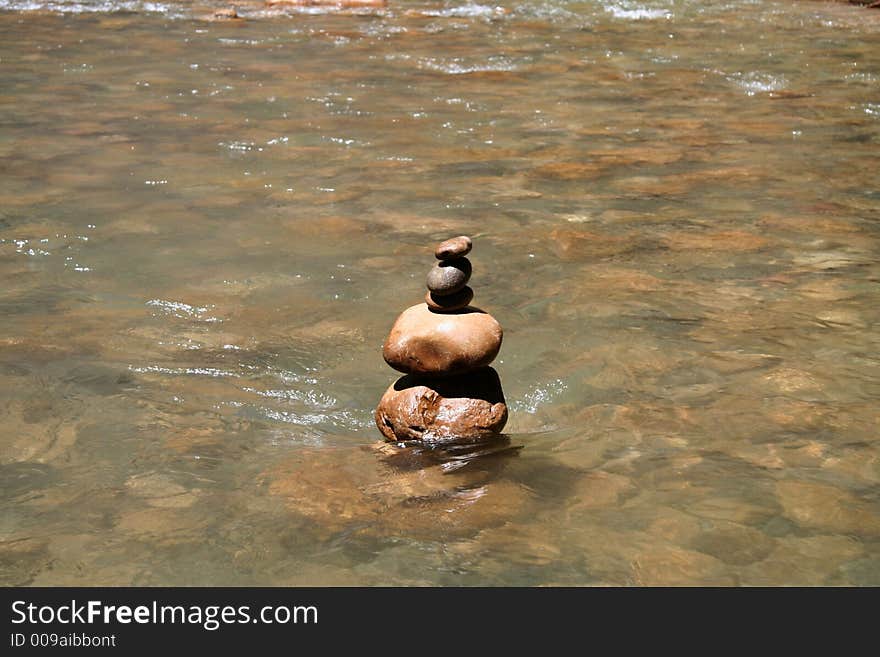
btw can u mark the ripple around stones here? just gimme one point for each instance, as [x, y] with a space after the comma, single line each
[425, 342]
[449, 276]
[464, 407]
[451, 302]
[453, 248]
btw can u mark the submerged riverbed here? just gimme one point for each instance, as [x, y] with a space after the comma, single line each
[208, 227]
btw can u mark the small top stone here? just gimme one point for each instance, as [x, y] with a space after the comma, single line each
[453, 248]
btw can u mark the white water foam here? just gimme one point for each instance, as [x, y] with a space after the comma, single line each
[95, 7]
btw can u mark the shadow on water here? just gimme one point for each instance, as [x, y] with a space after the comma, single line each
[450, 455]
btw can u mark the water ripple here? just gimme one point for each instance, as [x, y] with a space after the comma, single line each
[635, 12]
[183, 310]
[538, 395]
[460, 66]
[97, 7]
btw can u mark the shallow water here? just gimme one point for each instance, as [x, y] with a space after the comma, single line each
[208, 227]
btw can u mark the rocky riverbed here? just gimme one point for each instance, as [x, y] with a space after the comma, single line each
[208, 228]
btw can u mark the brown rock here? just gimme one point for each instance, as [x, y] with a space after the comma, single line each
[567, 170]
[326, 486]
[449, 276]
[464, 407]
[829, 508]
[570, 244]
[450, 302]
[229, 13]
[734, 544]
[599, 489]
[341, 4]
[669, 565]
[22, 557]
[535, 546]
[725, 241]
[425, 342]
[455, 247]
[163, 526]
[802, 561]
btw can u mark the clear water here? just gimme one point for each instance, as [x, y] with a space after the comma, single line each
[208, 227]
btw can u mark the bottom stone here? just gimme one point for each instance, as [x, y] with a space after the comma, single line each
[463, 407]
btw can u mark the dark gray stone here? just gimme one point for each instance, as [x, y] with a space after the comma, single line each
[450, 302]
[449, 276]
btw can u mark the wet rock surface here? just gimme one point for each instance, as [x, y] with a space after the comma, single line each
[466, 406]
[333, 4]
[444, 345]
[425, 342]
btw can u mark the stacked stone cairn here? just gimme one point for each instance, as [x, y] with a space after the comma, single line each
[444, 347]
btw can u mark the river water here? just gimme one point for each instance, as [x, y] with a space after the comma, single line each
[207, 228]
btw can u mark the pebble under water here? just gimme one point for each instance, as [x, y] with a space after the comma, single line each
[207, 228]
